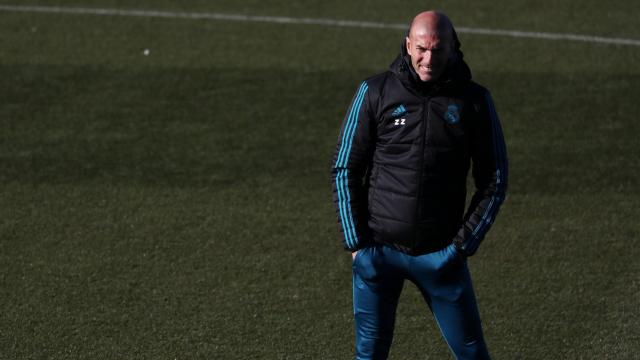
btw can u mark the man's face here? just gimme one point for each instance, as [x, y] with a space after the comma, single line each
[429, 53]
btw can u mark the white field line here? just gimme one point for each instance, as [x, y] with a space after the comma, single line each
[308, 21]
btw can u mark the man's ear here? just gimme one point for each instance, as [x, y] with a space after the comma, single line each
[408, 45]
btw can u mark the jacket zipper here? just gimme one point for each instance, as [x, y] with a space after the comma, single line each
[420, 181]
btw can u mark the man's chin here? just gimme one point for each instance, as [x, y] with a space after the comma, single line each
[426, 77]
[430, 76]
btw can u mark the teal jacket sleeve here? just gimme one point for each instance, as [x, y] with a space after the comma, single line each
[490, 173]
[351, 161]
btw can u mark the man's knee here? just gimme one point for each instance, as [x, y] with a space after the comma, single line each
[475, 349]
[373, 345]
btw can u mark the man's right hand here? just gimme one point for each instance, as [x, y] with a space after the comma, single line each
[353, 255]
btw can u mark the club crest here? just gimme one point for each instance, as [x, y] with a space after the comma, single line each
[452, 116]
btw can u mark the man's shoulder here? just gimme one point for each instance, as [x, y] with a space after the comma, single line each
[477, 89]
[478, 93]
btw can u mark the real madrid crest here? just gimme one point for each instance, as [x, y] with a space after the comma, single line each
[452, 116]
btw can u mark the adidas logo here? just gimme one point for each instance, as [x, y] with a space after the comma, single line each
[400, 110]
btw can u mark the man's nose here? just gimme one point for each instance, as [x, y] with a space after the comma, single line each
[427, 57]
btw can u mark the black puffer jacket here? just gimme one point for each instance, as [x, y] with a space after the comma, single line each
[405, 147]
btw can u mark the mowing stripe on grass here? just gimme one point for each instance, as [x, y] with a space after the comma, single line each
[309, 21]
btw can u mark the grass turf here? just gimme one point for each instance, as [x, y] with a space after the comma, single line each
[178, 205]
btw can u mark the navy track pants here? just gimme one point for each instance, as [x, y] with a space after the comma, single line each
[443, 279]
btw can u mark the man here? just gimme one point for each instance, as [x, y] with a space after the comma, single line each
[399, 182]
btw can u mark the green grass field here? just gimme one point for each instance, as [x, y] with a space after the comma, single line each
[178, 205]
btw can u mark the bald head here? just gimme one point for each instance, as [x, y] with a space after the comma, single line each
[430, 44]
[431, 22]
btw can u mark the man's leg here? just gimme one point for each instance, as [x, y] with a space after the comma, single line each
[376, 289]
[445, 283]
